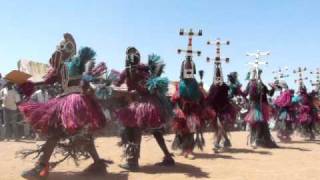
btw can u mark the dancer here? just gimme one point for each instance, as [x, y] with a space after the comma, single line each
[283, 107]
[284, 112]
[207, 115]
[148, 110]
[220, 99]
[307, 113]
[316, 83]
[187, 101]
[316, 95]
[74, 115]
[259, 108]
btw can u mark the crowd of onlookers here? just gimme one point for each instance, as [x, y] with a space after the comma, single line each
[12, 125]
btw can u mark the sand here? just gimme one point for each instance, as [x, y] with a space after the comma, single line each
[297, 160]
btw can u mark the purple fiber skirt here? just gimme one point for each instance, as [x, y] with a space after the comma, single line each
[146, 112]
[304, 115]
[71, 112]
[229, 114]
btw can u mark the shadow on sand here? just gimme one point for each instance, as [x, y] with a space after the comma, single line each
[179, 168]
[19, 141]
[304, 142]
[294, 148]
[80, 176]
[246, 151]
[212, 156]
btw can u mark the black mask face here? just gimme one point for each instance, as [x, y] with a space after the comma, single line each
[133, 56]
[303, 90]
[232, 77]
[89, 66]
[132, 59]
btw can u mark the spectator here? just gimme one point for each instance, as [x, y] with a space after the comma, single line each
[1, 113]
[10, 98]
[41, 95]
[2, 83]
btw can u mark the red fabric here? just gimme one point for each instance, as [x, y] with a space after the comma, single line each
[27, 88]
[188, 115]
[183, 124]
[304, 114]
[284, 99]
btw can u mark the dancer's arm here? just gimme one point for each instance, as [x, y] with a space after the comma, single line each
[56, 63]
[122, 79]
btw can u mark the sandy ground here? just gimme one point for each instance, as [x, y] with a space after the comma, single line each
[293, 161]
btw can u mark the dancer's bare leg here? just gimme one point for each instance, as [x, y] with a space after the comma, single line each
[41, 170]
[167, 160]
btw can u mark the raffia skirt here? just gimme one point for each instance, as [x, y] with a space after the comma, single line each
[71, 112]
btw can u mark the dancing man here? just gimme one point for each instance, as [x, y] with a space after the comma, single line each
[259, 109]
[149, 108]
[307, 112]
[220, 99]
[74, 115]
[284, 108]
[187, 101]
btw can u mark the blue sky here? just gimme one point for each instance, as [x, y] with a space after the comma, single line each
[288, 28]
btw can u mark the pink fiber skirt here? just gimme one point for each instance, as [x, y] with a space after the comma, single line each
[71, 112]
